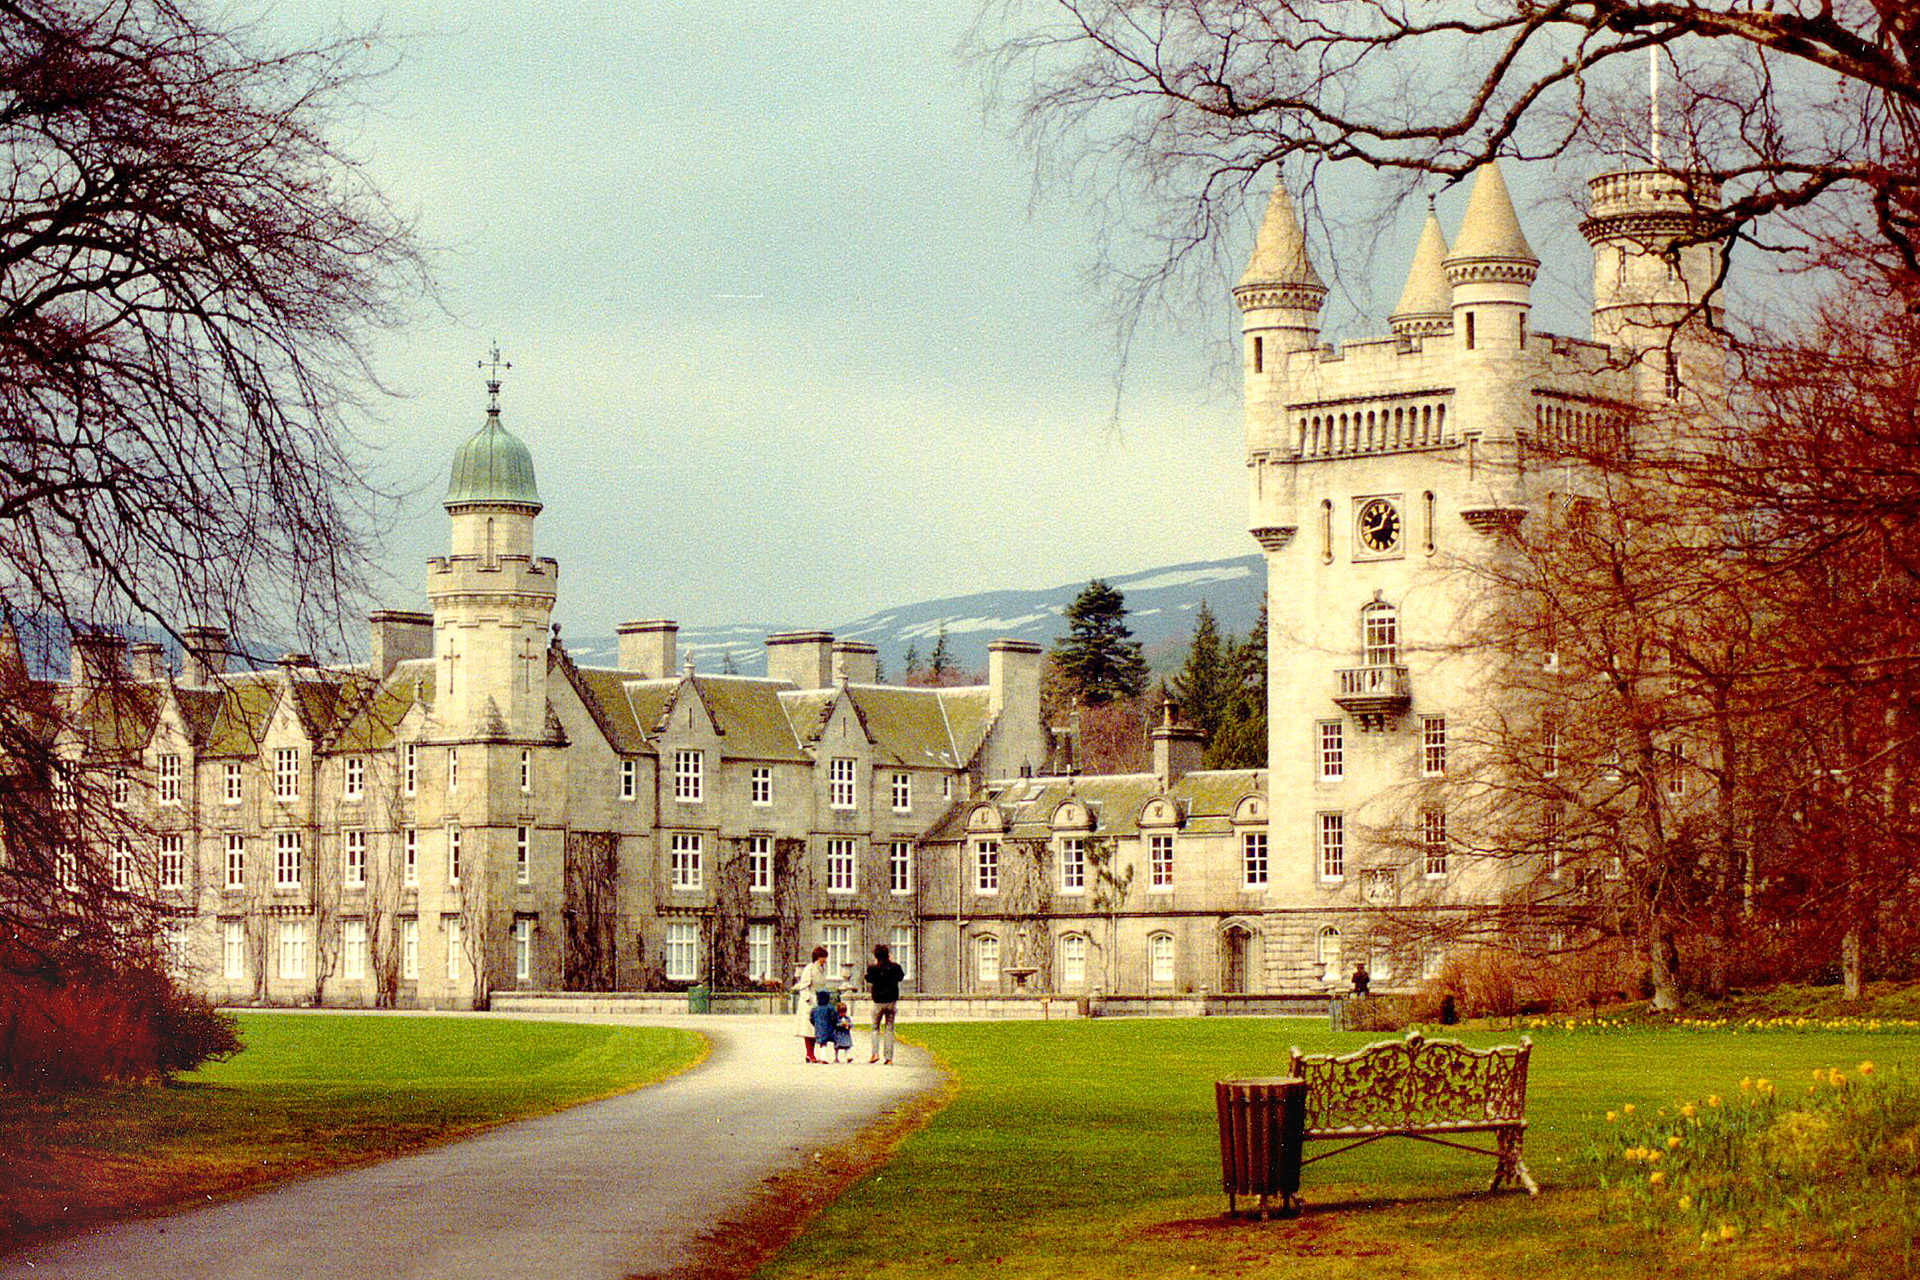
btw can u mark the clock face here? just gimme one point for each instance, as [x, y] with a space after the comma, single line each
[1379, 526]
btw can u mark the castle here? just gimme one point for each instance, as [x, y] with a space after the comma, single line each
[474, 812]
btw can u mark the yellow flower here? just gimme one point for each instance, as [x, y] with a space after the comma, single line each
[1866, 1068]
[1685, 1203]
[1612, 1116]
[1627, 1109]
[1653, 1157]
[1835, 1078]
[1655, 1178]
[1728, 1231]
[1713, 1099]
[1673, 1141]
[1746, 1083]
[1687, 1111]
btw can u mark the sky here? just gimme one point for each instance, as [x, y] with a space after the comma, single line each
[794, 337]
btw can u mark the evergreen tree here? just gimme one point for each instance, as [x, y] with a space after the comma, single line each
[1205, 685]
[941, 662]
[1241, 742]
[1099, 655]
[728, 667]
[912, 660]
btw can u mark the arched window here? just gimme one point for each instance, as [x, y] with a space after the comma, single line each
[1326, 531]
[1160, 955]
[1073, 958]
[986, 951]
[1326, 950]
[1380, 635]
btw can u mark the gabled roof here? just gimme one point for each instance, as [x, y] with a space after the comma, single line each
[605, 695]
[907, 726]
[750, 718]
[376, 713]
[118, 718]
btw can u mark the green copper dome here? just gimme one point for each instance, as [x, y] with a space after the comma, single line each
[493, 467]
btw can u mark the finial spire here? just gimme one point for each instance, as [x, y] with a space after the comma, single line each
[493, 377]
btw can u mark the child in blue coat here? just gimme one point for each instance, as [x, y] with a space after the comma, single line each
[824, 1019]
[842, 1032]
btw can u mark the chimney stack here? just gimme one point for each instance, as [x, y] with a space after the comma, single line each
[649, 648]
[146, 661]
[855, 662]
[206, 655]
[803, 659]
[399, 637]
[1178, 749]
[96, 660]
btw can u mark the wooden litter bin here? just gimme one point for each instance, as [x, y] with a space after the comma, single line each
[1261, 1122]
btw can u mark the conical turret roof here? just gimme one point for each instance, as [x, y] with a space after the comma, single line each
[1427, 293]
[1280, 252]
[1491, 229]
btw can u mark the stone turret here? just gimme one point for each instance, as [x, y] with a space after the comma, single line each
[1426, 304]
[1279, 296]
[1491, 269]
[1649, 297]
[492, 597]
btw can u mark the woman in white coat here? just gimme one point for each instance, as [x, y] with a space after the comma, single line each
[808, 982]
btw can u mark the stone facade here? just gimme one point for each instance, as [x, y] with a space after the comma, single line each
[473, 812]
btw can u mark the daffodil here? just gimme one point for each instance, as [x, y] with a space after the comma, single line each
[1728, 1231]
[1673, 1141]
[1627, 1109]
[1612, 1116]
[1866, 1068]
[1713, 1099]
[1687, 1111]
[1684, 1203]
[1655, 1178]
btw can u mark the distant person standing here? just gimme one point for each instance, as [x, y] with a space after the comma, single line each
[809, 981]
[883, 980]
[1361, 980]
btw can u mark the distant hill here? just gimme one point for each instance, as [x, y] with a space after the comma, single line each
[1160, 608]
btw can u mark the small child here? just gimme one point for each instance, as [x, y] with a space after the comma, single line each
[824, 1017]
[842, 1032]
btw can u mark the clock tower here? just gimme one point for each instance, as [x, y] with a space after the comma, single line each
[1376, 470]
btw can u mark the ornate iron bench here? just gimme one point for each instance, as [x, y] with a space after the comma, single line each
[1429, 1090]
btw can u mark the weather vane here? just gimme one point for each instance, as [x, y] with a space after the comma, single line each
[493, 380]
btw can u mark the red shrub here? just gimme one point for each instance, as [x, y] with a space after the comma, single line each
[69, 1031]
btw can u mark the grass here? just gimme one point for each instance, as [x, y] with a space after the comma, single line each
[307, 1093]
[1090, 1148]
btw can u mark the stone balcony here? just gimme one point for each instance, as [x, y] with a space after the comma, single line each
[1374, 696]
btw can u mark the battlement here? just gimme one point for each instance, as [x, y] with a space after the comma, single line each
[534, 575]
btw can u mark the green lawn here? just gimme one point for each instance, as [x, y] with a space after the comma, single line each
[307, 1093]
[1090, 1148]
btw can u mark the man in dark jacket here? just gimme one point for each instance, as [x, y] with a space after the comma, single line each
[884, 978]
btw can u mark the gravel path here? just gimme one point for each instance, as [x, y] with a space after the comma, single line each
[611, 1189]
